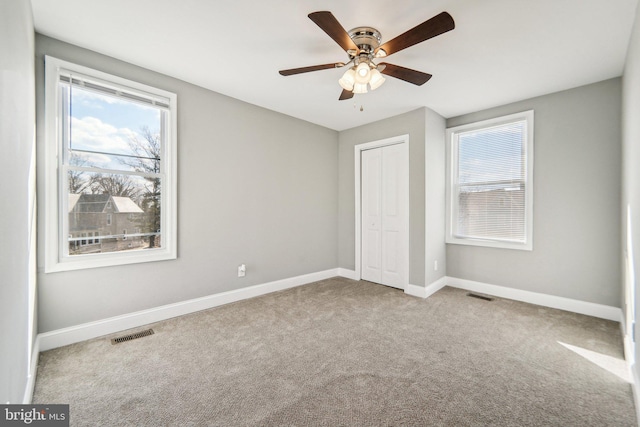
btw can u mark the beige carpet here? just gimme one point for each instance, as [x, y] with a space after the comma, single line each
[346, 353]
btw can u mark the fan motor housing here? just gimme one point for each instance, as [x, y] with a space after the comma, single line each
[366, 38]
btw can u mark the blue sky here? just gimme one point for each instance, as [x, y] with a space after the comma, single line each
[118, 112]
[106, 124]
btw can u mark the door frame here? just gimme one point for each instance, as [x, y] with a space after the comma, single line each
[358, 149]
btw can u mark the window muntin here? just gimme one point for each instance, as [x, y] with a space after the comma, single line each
[490, 191]
[115, 169]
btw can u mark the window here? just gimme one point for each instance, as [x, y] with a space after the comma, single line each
[490, 185]
[110, 164]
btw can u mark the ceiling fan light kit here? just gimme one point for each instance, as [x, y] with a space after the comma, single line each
[362, 44]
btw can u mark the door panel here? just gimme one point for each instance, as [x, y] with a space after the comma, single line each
[371, 218]
[384, 189]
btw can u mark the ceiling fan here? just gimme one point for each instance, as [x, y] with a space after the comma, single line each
[362, 44]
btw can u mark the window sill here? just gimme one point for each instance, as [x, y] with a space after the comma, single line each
[490, 243]
[110, 260]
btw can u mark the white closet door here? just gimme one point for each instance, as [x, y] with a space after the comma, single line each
[372, 215]
[384, 215]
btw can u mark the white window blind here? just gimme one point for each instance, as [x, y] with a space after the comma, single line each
[490, 194]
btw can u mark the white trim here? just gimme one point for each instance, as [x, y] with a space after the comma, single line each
[629, 354]
[634, 387]
[53, 178]
[436, 286]
[628, 347]
[627, 344]
[400, 139]
[551, 301]
[426, 292]
[33, 370]
[451, 181]
[347, 274]
[85, 331]
[415, 291]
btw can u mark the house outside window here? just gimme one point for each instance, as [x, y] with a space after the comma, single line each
[490, 183]
[116, 169]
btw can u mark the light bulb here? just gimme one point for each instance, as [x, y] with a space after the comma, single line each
[376, 79]
[348, 79]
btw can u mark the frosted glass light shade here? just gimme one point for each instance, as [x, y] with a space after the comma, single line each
[348, 79]
[376, 79]
[360, 88]
[363, 73]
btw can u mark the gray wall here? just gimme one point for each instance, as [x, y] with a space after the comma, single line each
[17, 190]
[415, 125]
[630, 166]
[576, 233]
[254, 187]
[435, 211]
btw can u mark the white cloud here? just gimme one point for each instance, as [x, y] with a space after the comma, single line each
[90, 133]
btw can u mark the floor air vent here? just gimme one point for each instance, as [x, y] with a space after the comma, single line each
[483, 297]
[131, 337]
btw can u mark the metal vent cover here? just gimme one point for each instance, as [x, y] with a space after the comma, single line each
[482, 297]
[131, 337]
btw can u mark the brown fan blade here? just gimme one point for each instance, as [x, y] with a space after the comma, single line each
[300, 70]
[330, 25]
[433, 27]
[346, 94]
[407, 74]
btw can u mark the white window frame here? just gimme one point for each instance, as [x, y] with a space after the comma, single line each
[55, 197]
[452, 177]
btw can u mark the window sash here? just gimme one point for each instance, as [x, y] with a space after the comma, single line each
[66, 131]
[501, 209]
[65, 167]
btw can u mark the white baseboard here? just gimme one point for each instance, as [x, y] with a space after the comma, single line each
[74, 334]
[627, 341]
[636, 391]
[551, 301]
[415, 291]
[33, 370]
[629, 357]
[426, 292]
[346, 273]
[436, 286]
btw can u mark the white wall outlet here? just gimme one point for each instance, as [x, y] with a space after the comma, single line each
[242, 270]
[435, 265]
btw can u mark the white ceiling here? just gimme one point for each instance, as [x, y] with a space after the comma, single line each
[500, 51]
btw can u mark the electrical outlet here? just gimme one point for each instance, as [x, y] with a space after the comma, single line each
[242, 270]
[435, 265]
